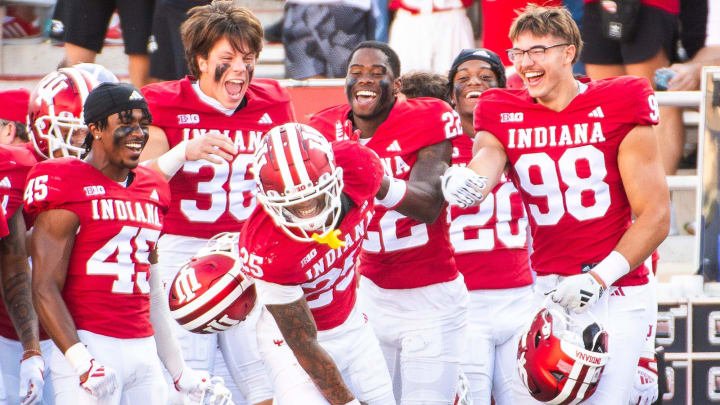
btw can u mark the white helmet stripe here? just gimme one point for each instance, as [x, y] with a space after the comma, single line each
[297, 156]
[279, 152]
[569, 384]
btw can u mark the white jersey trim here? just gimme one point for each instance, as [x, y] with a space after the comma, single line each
[211, 101]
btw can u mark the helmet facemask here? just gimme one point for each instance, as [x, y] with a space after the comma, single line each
[58, 131]
[299, 228]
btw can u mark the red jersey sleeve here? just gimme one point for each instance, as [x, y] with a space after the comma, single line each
[362, 170]
[642, 101]
[45, 189]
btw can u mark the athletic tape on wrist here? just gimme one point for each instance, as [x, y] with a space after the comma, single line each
[395, 194]
[611, 268]
[79, 358]
[171, 161]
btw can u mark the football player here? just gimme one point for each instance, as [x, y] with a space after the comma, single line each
[98, 221]
[585, 160]
[19, 334]
[490, 242]
[410, 287]
[220, 101]
[301, 247]
[13, 116]
[56, 129]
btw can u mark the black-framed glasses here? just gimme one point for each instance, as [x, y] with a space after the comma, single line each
[536, 53]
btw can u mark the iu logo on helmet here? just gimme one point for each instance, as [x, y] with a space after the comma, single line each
[186, 284]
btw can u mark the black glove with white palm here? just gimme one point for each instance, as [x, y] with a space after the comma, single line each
[461, 186]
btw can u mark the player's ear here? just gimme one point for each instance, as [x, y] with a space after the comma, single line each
[397, 85]
[570, 51]
[202, 64]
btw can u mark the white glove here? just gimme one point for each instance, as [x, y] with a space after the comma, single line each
[577, 293]
[462, 186]
[98, 380]
[193, 384]
[31, 379]
[217, 393]
[645, 389]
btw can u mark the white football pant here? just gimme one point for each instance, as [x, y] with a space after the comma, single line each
[352, 346]
[135, 361]
[495, 319]
[422, 333]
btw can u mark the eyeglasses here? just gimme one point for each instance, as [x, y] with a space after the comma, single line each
[536, 53]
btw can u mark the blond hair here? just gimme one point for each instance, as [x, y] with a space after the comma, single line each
[541, 21]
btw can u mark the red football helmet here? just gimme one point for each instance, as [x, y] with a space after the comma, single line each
[557, 364]
[55, 118]
[210, 293]
[299, 185]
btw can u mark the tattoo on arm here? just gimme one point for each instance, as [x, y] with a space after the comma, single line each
[16, 283]
[300, 332]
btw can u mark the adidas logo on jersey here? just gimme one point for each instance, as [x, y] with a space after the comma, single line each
[135, 96]
[265, 119]
[5, 183]
[154, 195]
[597, 113]
[394, 147]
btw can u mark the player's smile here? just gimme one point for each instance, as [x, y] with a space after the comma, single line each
[308, 209]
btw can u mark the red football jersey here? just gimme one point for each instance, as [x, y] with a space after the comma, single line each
[565, 166]
[326, 275]
[106, 290]
[15, 163]
[3, 231]
[209, 198]
[490, 240]
[400, 252]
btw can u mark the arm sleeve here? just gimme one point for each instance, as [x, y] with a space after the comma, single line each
[277, 294]
[168, 348]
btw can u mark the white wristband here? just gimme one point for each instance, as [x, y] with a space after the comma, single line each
[354, 402]
[171, 161]
[395, 194]
[611, 268]
[79, 358]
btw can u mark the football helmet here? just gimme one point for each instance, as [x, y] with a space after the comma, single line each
[294, 165]
[55, 118]
[98, 72]
[559, 364]
[210, 293]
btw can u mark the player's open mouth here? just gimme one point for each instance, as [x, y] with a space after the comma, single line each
[533, 78]
[234, 87]
[473, 94]
[365, 97]
[307, 209]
